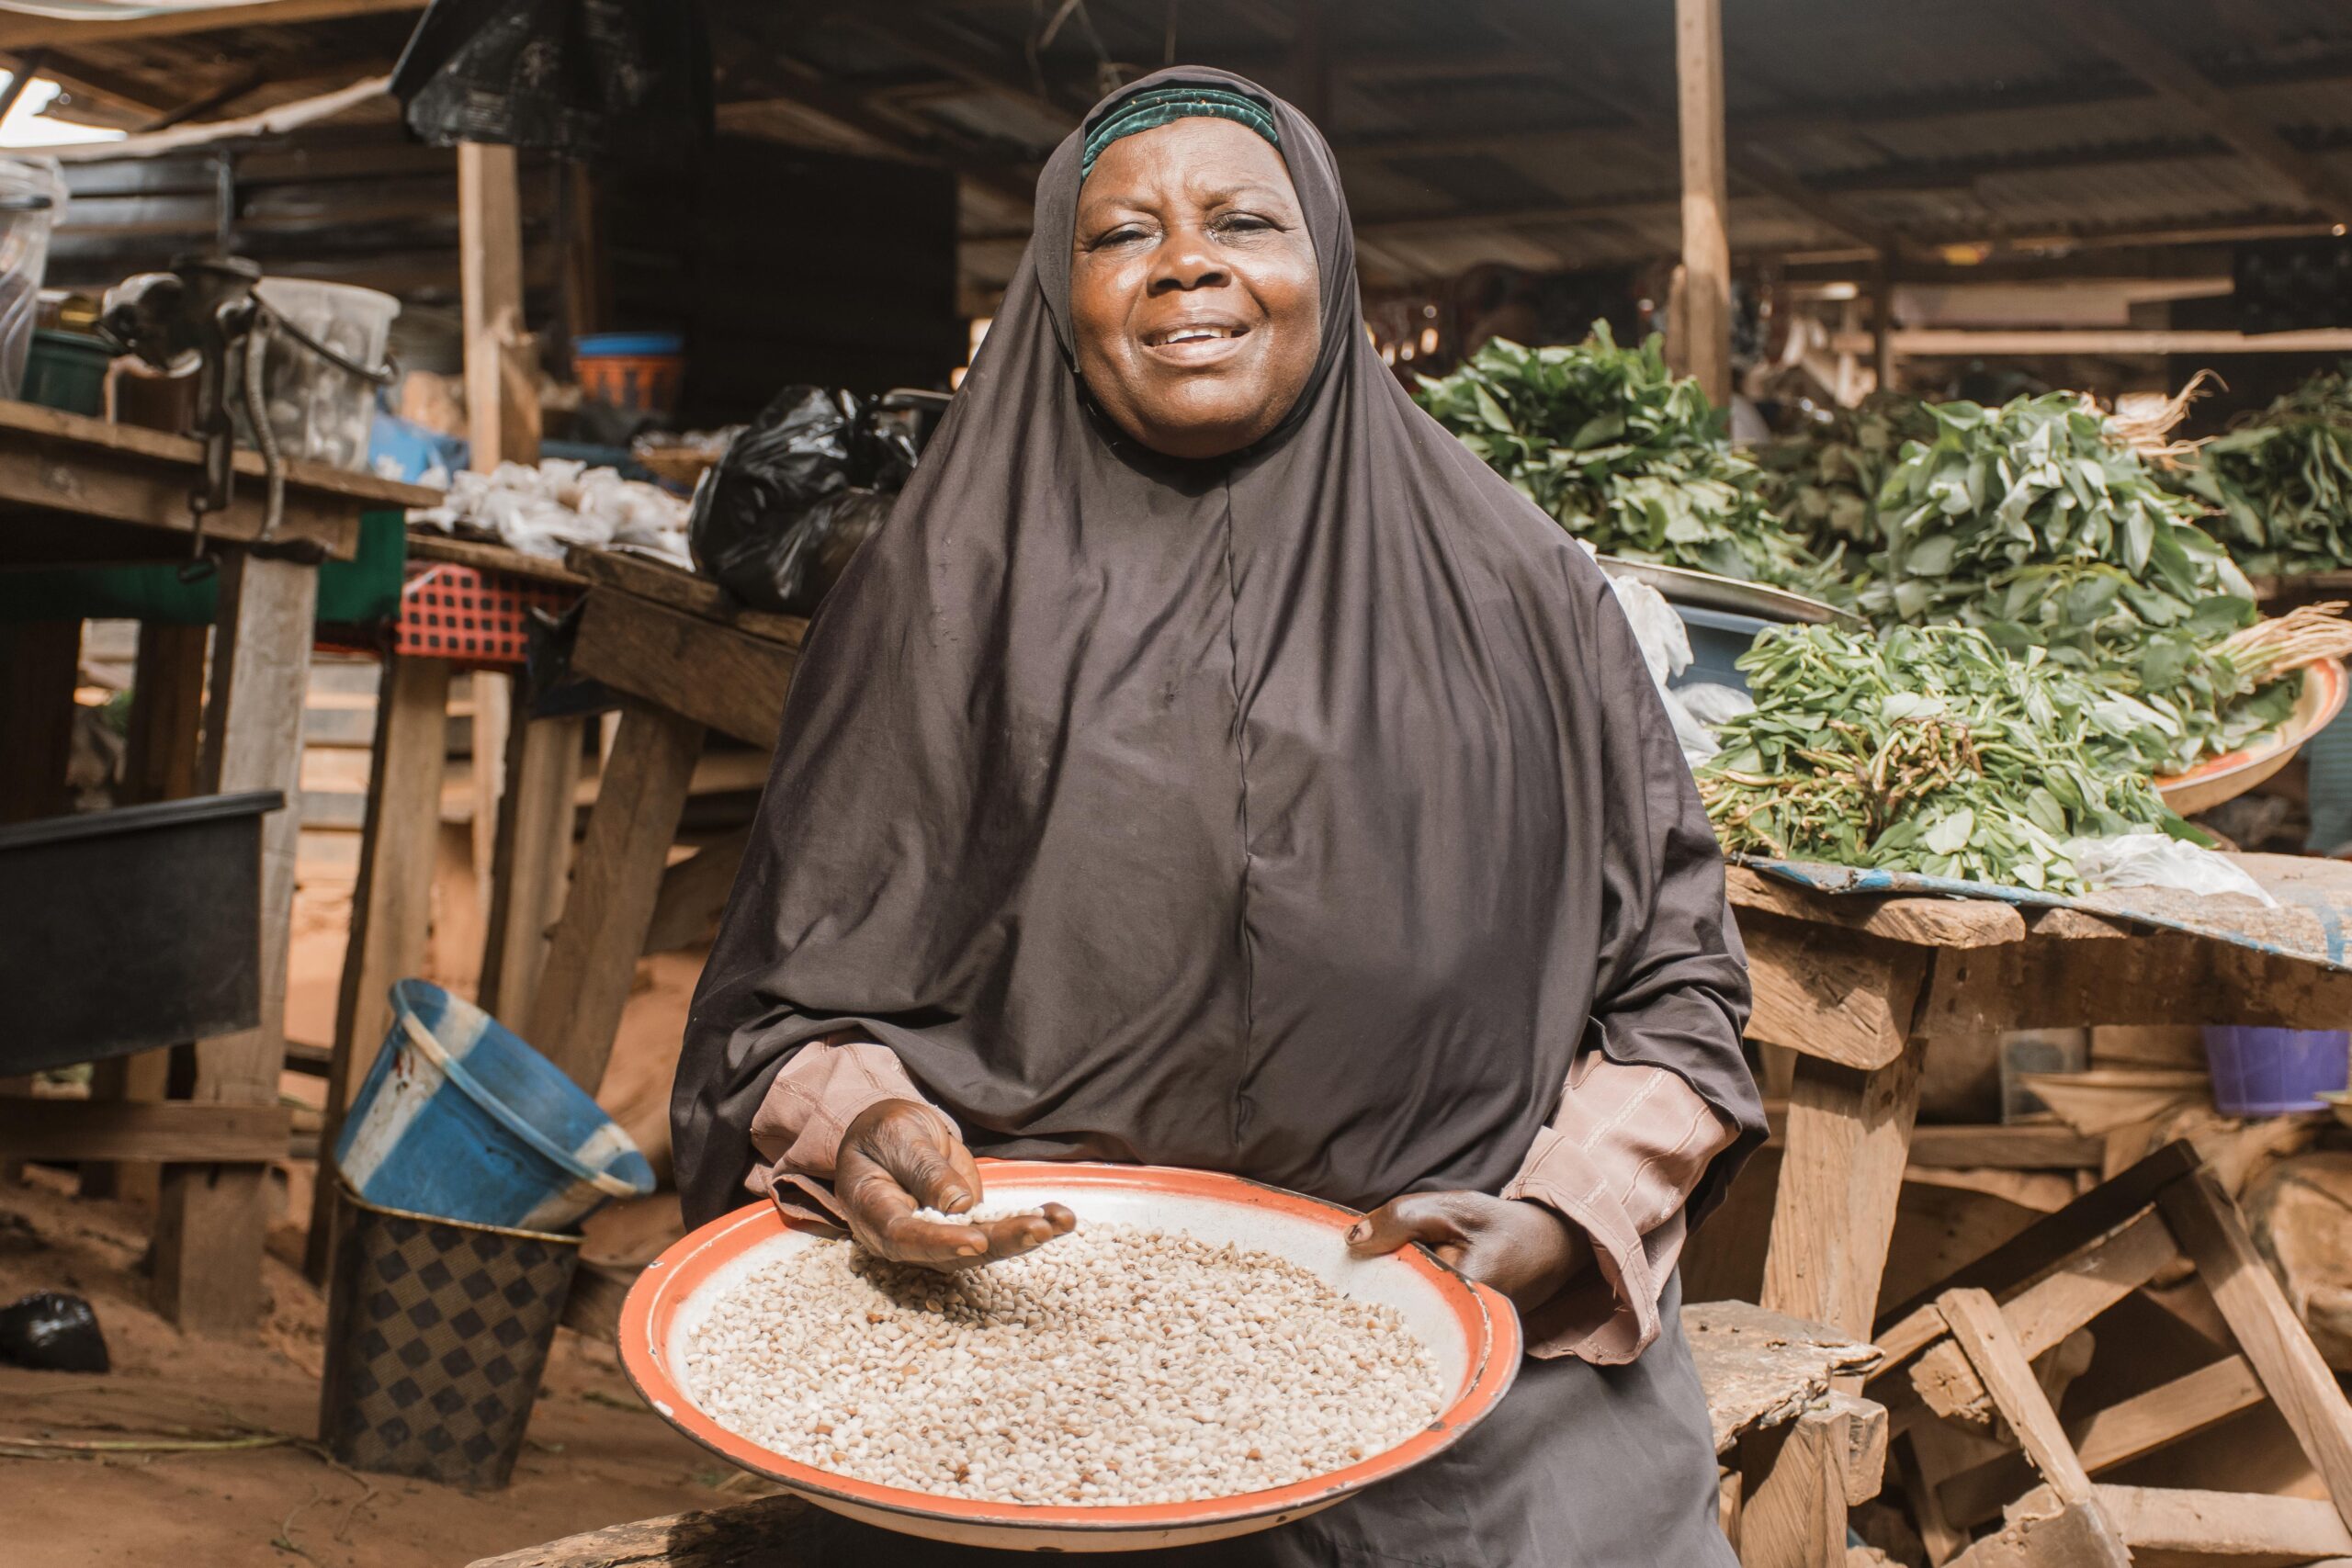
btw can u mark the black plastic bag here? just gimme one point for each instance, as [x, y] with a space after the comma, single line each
[585, 78]
[52, 1332]
[776, 520]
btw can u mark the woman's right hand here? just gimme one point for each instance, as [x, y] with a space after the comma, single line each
[899, 1156]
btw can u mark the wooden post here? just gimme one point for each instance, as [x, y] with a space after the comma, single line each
[1704, 325]
[1833, 1213]
[391, 906]
[501, 399]
[532, 861]
[159, 763]
[213, 1218]
[592, 958]
[1882, 321]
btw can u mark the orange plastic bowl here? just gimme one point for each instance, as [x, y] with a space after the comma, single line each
[1472, 1332]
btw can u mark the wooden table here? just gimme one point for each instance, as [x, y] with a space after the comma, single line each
[80, 491]
[1861, 988]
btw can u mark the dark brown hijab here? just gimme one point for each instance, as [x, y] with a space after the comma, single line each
[1300, 814]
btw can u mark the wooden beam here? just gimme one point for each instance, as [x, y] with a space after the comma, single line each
[214, 1218]
[1921, 343]
[2118, 34]
[531, 858]
[2246, 1528]
[2269, 1334]
[1798, 1483]
[40, 665]
[724, 679]
[78, 1131]
[693, 892]
[502, 397]
[1983, 1336]
[1833, 1211]
[1828, 995]
[18, 31]
[1704, 331]
[2117, 1435]
[592, 958]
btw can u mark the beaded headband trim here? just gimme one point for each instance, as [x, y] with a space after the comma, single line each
[1165, 105]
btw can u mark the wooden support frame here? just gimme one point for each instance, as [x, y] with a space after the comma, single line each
[212, 1220]
[1833, 1213]
[1704, 328]
[592, 957]
[172, 1130]
[530, 858]
[724, 679]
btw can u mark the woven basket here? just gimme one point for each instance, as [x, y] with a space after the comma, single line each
[437, 1334]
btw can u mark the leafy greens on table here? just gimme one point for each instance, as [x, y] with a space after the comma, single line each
[2280, 481]
[1624, 453]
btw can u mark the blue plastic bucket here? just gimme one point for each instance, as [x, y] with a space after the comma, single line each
[461, 1119]
[2270, 1072]
[1717, 639]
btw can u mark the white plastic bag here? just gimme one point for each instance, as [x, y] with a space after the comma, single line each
[2154, 860]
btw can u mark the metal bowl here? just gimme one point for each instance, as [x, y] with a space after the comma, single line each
[1471, 1331]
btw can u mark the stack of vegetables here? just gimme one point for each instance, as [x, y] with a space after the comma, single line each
[1823, 481]
[1623, 453]
[2038, 523]
[1932, 750]
[2280, 482]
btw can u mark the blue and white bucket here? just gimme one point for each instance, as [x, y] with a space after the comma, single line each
[460, 1119]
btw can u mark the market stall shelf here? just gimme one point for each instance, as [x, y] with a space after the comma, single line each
[81, 491]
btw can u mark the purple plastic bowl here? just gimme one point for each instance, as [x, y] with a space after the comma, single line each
[2270, 1072]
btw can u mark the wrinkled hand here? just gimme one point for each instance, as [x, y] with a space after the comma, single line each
[1521, 1248]
[899, 1156]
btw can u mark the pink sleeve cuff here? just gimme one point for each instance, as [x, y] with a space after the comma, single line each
[1619, 1161]
[798, 1128]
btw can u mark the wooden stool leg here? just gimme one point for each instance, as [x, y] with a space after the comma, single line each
[213, 1219]
[1801, 1479]
[391, 903]
[592, 957]
[40, 664]
[159, 763]
[530, 861]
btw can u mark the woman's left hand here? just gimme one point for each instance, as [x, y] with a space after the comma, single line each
[1521, 1248]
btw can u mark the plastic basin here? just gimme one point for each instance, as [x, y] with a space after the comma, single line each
[2271, 1072]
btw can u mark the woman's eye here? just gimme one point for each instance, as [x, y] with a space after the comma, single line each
[1125, 234]
[1240, 223]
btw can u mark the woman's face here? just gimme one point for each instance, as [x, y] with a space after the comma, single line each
[1192, 288]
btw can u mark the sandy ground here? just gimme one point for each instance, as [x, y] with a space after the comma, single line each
[595, 1455]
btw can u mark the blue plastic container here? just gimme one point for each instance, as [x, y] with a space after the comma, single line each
[461, 1119]
[2270, 1072]
[1717, 639]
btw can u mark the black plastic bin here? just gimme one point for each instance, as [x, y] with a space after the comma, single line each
[125, 930]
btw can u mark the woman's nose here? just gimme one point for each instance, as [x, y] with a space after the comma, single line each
[1187, 261]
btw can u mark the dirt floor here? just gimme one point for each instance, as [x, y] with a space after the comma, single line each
[595, 1455]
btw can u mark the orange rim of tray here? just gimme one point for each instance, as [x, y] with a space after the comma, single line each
[2328, 675]
[1488, 1323]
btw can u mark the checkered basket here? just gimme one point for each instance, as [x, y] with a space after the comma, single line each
[438, 1333]
[477, 619]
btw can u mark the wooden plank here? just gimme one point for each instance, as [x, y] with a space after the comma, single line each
[1833, 1213]
[2027, 1145]
[1922, 922]
[1704, 333]
[89, 1130]
[39, 661]
[693, 892]
[391, 903]
[162, 751]
[41, 32]
[1829, 994]
[775, 1532]
[2047, 1311]
[426, 542]
[717, 677]
[75, 435]
[502, 397]
[1792, 1513]
[592, 957]
[666, 584]
[2242, 1528]
[531, 858]
[2043, 1532]
[1964, 343]
[2269, 1335]
[1983, 1335]
[2116, 1436]
[210, 1226]
[2039, 1247]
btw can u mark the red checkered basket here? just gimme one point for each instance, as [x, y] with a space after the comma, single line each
[472, 617]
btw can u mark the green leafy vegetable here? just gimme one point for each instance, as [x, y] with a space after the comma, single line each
[1931, 749]
[1623, 451]
[1824, 481]
[2281, 481]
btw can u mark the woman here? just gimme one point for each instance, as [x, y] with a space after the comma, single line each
[1211, 763]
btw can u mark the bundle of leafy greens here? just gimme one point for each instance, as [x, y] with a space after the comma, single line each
[2281, 481]
[1933, 750]
[2039, 524]
[1622, 452]
[1822, 481]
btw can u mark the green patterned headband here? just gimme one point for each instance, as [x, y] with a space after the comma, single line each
[1165, 105]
